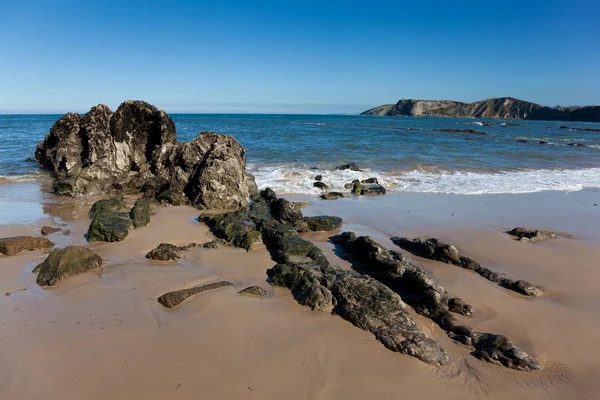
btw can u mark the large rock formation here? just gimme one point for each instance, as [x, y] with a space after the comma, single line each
[503, 107]
[135, 148]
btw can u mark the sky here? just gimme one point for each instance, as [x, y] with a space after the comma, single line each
[294, 56]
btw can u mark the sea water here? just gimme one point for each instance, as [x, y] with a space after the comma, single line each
[407, 154]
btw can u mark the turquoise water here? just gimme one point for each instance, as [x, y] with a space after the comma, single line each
[407, 154]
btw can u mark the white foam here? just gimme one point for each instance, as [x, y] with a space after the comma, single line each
[291, 179]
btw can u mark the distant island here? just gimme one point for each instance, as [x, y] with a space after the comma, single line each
[502, 107]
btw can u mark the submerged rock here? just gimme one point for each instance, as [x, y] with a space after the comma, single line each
[471, 131]
[439, 251]
[48, 230]
[172, 299]
[254, 291]
[14, 245]
[535, 235]
[136, 146]
[63, 263]
[332, 196]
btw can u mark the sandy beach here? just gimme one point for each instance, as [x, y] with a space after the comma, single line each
[103, 335]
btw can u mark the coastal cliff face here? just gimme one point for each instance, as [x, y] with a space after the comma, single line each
[503, 107]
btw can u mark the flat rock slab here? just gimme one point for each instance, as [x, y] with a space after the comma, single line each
[63, 263]
[14, 245]
[172, 299]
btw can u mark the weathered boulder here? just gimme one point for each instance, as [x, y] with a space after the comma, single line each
[14, 245]
[109, 227]
[136, 146]
[351, 166]
[439, 251]
[254, 291]
[63, 263]
[172, 299]
[332, 196]
[531, 235]
[283, 210]
[115, 204]
[140, 213]
[48, 230]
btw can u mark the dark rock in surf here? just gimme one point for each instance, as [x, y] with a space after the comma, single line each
[351, 166]
[283, 210]
[332, 196]
[321, 185]
[140, 213]
[48, 230]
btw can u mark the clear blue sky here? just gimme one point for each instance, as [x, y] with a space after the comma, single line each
[294, 56]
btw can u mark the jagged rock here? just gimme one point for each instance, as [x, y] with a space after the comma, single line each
[351, 166]
[320, 223]
[140, 213]
[418, 289]
[63, 263]
[332, 196]
[254, 291]
[172, 299]
[48, 230]
[14, 245]
[115, 204]
[436, 250]
[172, 197]
[109, 227]
[458, 306]
[136, 146]
[285, 211]
[268, 194]
[318, 178]
[321, 185]
[577, 144]
[535, 235]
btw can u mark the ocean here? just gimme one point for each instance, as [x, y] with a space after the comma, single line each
[286, 152]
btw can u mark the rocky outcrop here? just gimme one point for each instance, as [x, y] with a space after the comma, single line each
[14, 245]
[172, 299]
[503, 107]
[136, 148]
[439, 251]
[531, 235]
[63, 263]
[303, 268]
[417, 288]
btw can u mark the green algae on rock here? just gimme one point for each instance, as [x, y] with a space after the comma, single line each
[63, 263]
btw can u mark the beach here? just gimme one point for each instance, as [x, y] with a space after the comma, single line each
[102, 334]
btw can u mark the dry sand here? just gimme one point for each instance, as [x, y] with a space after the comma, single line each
[104, 336]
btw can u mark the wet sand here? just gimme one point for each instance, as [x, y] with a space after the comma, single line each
[103, 335]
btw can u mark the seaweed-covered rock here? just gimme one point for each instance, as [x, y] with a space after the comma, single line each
[136, 146]
[109, 227]
[283, 210]
[48, 230]
[531, 235]
[63, 263]
[140, 213]
[254, 291]
[14, 245]
[332, 196]
[356, 187]
[172, 299]
[436, 250]
[115, 204]
[319, 223]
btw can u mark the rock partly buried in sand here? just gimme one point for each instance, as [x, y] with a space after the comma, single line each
[283, 210]
[48, 230]
[140, 213]
[167, 252]
[136, 147]
[417, 288]
[172, 299]
[109, 226]
[254, 291]
[533, 235]
[439, 251]
[332, 196]
[458, 306]
[351, 166]
[63, 263]
[14, 245]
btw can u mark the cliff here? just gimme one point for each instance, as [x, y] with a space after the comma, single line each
[502, 107]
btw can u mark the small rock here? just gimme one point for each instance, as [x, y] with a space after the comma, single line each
[140, 213]
[523, 287]
[356, 187]
[318, 178]
[320, 185]
[164, 252]
[254, 290]
[524, 234]
[48, 230]
[13, 245]
[172, 299]
[542, 142]
[63, 263]
[332, 196]
[351, 166]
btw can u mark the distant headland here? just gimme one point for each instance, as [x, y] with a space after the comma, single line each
[501, 107]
